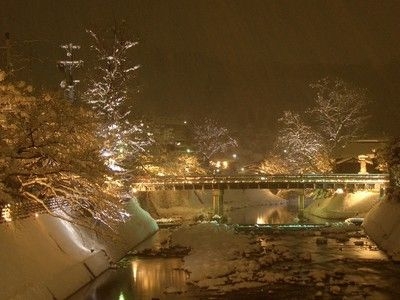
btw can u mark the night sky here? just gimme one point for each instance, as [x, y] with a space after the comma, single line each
[241, 62]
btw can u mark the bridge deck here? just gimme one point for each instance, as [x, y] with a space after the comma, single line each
[350, 181]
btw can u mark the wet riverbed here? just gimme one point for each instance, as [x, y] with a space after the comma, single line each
[327, 263]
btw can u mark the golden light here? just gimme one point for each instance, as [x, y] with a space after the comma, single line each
[339, 191]
[6, 213]
[134, 270]
[260, 220]
[225, 164]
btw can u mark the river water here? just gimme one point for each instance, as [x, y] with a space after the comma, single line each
[153, 278]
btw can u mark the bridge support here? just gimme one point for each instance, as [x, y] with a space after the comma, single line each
[300, 203]
[218, 202]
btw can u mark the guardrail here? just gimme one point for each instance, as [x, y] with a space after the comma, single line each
[21, 210]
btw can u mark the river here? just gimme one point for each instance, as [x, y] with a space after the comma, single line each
[374, 276]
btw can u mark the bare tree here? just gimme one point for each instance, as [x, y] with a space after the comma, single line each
[126, 137]
[338, 116]
[298, 147]
[340, 111]
[211, 140]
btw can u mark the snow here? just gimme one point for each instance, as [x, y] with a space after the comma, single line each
[222, 261]
[383, 227]
[44, 257]
[343, 205]
[218, 243]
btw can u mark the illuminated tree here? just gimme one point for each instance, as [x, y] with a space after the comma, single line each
[49, 152]
[338, 116]
[125, 136]
[340, 112]
[165, 157]
[173, 164]
[298, 148]
[211, 140]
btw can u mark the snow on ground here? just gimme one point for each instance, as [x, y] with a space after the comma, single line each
[223, 261]
[343, 205]
[44, 257]
[214, 249]
[383, 227]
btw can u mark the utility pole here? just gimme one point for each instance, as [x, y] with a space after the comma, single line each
[68, 66]
[7, 54]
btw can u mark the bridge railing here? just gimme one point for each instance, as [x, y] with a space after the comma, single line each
[261, 178]
[21, 210]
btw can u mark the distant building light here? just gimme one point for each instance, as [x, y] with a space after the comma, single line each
[242, 169]
[234, 155]
[178, 143]
[225, 164]
[188, 150]
[184, 122]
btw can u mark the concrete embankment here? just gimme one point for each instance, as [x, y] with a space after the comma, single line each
[46, 258]
[343, 205]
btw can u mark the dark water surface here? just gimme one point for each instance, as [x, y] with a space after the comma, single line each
[157, 278]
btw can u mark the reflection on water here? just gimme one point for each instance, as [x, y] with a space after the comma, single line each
[151, 277]
[278, 214]
[144, 278]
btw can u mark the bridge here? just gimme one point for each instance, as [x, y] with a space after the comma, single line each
[314, 181]
[219, 183]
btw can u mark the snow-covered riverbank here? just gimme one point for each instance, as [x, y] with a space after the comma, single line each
[382, 224]
[343, 205]
[46, 258]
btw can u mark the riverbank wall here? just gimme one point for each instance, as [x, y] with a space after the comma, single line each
[343, 205]
[383, 227]
[44, 257]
